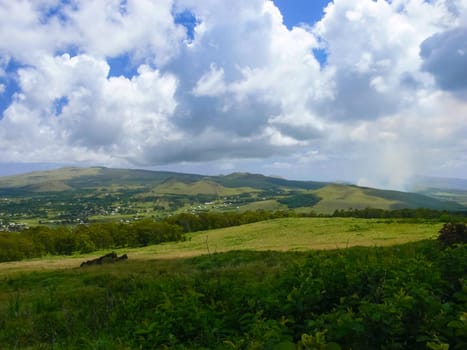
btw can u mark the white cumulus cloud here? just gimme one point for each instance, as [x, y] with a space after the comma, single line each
[242, 89]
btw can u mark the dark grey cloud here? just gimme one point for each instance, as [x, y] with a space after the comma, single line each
[195, 114]
[445, 57]
[356, 99]
[210, 146]
[299, 132]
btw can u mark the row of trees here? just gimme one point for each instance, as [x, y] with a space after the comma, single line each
[212, 220]
[419, 213]
[65, 240]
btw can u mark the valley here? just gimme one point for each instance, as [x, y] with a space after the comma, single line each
[81, 195]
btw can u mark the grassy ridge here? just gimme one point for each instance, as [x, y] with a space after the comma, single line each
[343, 197]
[208, 187]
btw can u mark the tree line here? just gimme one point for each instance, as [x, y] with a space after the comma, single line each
[419, 213]
[66, 240]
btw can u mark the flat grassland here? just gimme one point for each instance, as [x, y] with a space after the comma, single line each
[286, 234]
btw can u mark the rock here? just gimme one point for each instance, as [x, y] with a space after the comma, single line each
[105, 259]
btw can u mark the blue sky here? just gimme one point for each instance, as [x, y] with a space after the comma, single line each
[213, 87]
[301, 11]
[10, 84]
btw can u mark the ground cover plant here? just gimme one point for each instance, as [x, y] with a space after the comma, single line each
[411, 296]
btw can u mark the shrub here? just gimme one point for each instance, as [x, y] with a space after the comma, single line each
[452, 233]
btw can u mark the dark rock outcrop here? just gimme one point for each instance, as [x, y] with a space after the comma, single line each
[105, 259]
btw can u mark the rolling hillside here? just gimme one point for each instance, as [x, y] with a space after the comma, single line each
[97, 193]
[206, 186]
[79, 178]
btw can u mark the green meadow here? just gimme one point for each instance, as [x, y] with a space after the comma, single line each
[289, 283]
[285, 234]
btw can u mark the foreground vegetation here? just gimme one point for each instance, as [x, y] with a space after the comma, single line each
[411, 296]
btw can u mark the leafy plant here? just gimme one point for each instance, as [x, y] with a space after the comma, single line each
[412, 296]
[452, 233]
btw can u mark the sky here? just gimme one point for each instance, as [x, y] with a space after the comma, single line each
[370, 92]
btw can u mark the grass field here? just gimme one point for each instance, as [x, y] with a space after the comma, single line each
[287, 234]
[278, 284]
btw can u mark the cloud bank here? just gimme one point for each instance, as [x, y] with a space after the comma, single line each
[374, 91]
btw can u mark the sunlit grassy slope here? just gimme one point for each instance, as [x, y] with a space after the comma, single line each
[344, 197]
[199, 187]
[270, 204]
[93, 177]
[57, 176]
[288, 234]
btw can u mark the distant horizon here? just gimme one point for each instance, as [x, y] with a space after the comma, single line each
[24, 169]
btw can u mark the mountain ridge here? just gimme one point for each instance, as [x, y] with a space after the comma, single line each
[260, 189]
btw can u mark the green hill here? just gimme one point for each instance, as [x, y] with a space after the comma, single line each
[95, 177]
[75, 194]
[344, 197]
[206, 186]
[49, 176]
[262, 182]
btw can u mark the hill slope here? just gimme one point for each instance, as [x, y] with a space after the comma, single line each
[77, 194]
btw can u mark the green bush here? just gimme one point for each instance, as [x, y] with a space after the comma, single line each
[405, 297]
[452, 233]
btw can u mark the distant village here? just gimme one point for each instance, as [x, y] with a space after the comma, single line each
[12, 226]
